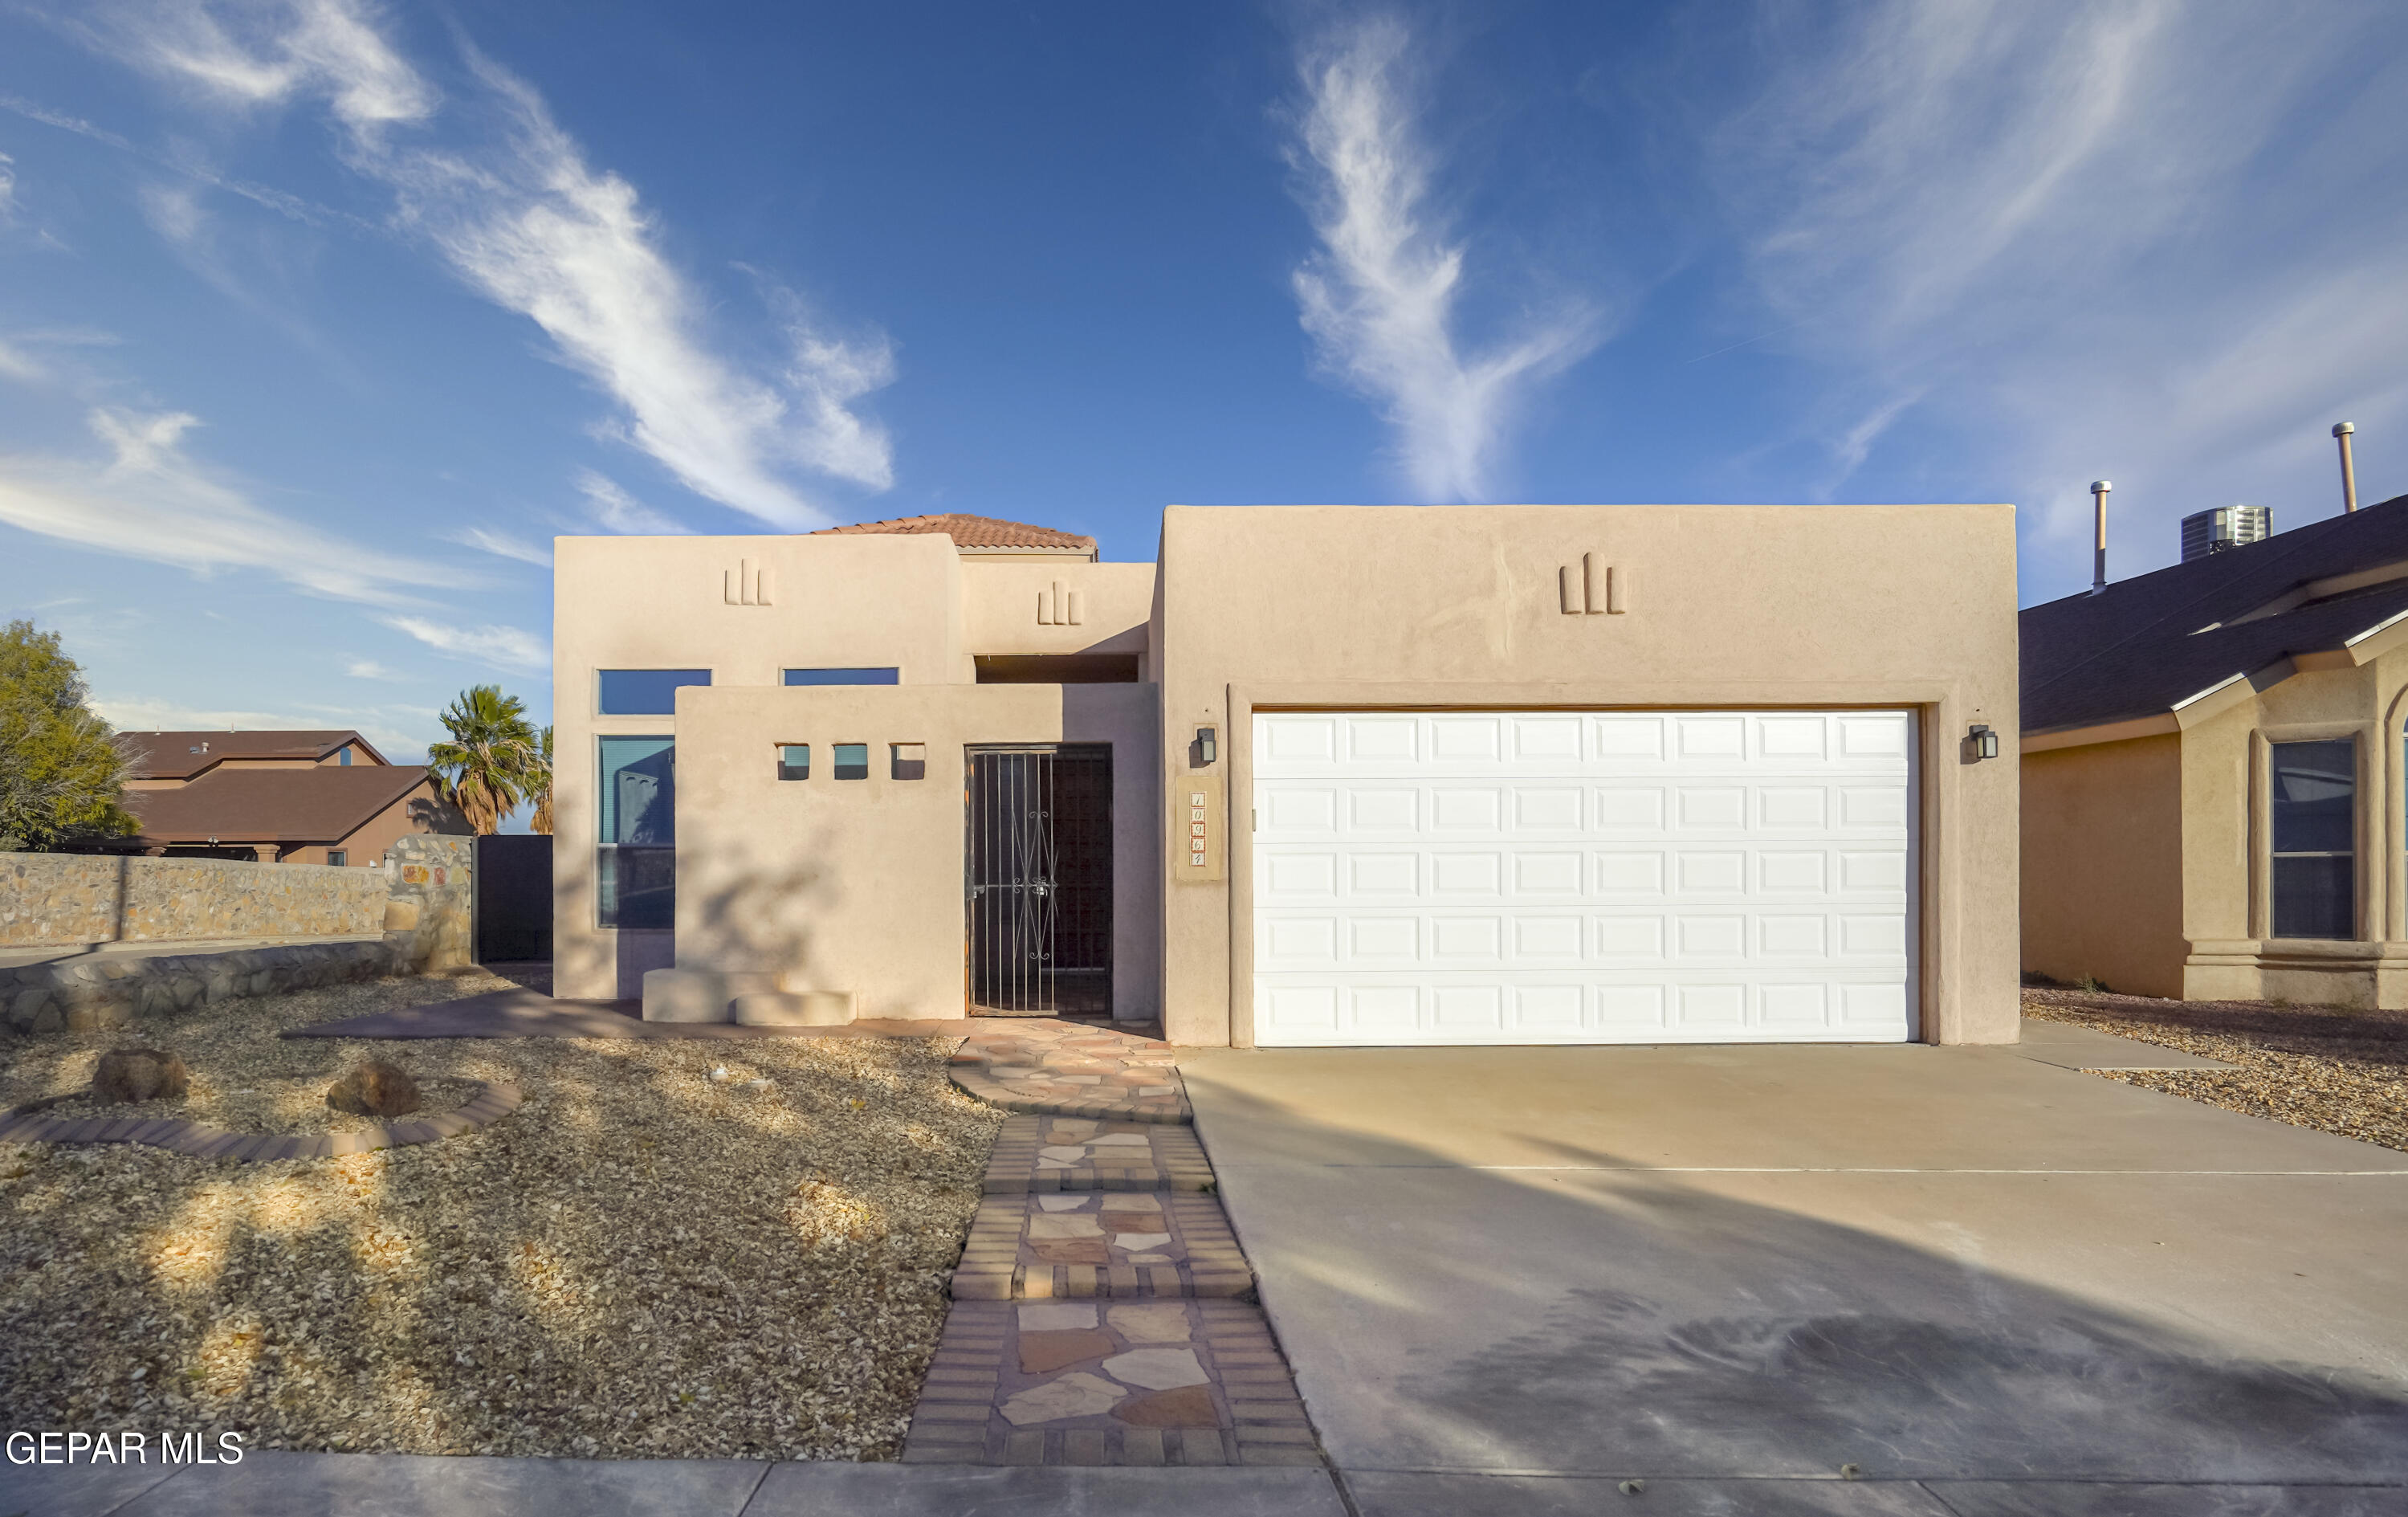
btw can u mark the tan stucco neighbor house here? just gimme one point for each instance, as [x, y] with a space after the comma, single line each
[1320, 775]
[2211, 772]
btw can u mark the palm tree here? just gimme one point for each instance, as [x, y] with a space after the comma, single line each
[484, 768]
[538, 787]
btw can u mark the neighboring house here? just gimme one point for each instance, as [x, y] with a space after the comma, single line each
[2211, 772]
[289, 797]
[1322, 776]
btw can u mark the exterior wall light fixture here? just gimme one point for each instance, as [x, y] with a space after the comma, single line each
[1983, 742]
[1207, 745]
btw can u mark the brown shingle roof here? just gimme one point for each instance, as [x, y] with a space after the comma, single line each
[272, 806]
[978, 532]
[2144, 644]
[175, 755]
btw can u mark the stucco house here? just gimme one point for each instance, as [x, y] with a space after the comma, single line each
[276, 797]
[2211, 772]
[1317, 776]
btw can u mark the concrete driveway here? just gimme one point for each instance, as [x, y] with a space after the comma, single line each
[1964, 1283]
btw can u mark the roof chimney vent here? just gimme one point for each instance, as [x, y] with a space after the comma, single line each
[2348, 470]
[2227, 526]
[2098, 488]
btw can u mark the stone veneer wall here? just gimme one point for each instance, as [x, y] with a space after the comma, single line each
[63, 899]
[423, 905]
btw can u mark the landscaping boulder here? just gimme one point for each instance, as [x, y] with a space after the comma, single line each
[374, 1087]
[139, 1074]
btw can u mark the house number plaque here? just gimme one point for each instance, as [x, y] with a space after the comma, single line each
[1196, 827]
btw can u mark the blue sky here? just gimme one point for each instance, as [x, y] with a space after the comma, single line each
[318, 319]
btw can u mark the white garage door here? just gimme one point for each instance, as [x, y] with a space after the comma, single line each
[1583, 877]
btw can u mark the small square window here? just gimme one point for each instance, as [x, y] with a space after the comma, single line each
[337, 857]
[911, 760]
[852, 761]
[794, 761]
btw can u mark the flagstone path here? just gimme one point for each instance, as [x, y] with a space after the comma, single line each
[1103, 1313]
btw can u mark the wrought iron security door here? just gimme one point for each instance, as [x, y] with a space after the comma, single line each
[1039, 879]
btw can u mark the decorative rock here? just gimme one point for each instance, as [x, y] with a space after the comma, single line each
[1140, 1241]
[1188, 1407]
[1158, 1322]
[1077, 1225]
[1157, 1369]
[1061, 1203]
[1076, 1395]
[1087, 1251]
[139, 1074]
[374, 1087]
[1048, 1319]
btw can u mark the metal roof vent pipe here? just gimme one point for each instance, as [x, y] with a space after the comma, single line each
[2348, 470]
[2227, 526]
[2098, 488]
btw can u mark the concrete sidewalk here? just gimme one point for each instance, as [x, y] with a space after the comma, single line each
[272, 1484]
[1964, 1283]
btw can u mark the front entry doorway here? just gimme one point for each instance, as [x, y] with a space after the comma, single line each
[1039, 879]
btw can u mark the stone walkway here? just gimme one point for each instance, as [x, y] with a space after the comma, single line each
[1103, 1313]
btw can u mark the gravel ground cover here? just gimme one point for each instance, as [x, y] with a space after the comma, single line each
[672, 1249]
[2321, 1066]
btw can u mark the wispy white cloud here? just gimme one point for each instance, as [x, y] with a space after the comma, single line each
[1382, 297]
[400, 733]
[8, 188]
[621, 512]
[369, 669]
[149, 500]
[501, 545]
[2130, 237]
[508, 648]
[524, 219]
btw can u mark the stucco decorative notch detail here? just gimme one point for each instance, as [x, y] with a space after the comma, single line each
[747, 584]
[1057, 606]
[1593, 587]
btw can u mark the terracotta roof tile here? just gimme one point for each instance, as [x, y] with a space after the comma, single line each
[977, 532]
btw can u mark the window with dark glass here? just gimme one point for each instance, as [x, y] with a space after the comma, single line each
[637, 866]
[794, 761]
[2316, 840]
[910, 760]
[842, 676]
[338, 856]
[851, 761]
[646, 691]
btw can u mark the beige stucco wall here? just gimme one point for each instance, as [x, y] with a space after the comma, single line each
[857, 885]
[1727, 606]
[871, 600]
[1116, 601]
[2102, 864]
[2226, 792]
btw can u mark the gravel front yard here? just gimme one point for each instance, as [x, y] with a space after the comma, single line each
[2320, 1067]
[643, 1261]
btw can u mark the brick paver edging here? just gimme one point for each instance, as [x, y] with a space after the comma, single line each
[493, 1102]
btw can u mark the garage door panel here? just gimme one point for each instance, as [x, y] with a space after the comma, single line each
[1744, 876]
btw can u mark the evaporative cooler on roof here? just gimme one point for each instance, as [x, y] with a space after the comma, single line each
[2227, 526]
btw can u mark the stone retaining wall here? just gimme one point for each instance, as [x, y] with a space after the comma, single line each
[63, 899]
[423, 905]
[110, 990]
